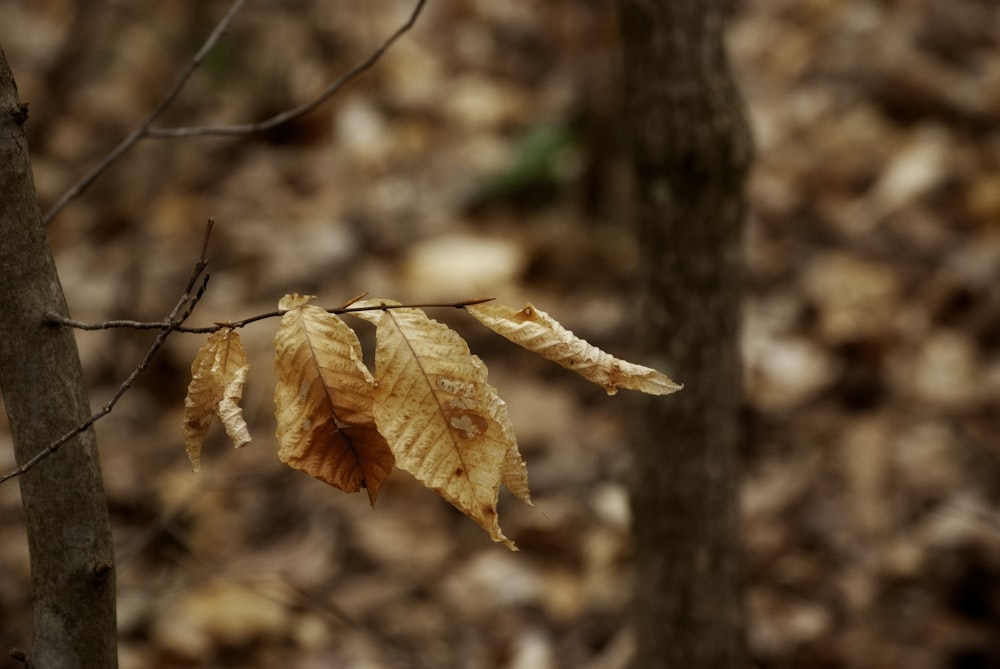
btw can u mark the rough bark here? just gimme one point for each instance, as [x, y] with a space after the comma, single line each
[690, 151]
[69, 534]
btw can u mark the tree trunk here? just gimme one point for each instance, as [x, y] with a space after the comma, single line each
[69, 534]
[690, 152]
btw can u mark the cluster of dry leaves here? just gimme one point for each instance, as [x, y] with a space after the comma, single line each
[428, 408]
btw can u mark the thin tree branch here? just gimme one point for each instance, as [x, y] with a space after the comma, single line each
[185, 305]
[143, 129]
[426, 305]
[56, 319]
[301, 110]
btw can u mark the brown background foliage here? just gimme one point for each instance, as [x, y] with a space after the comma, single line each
[872, 333]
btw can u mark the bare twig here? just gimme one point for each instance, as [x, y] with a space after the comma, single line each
[185, 305]
[301, 110]
[56, 319]
[385, 307]
[143, 129]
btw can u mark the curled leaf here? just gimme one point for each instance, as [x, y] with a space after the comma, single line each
[538, 332]
[218, 373]
[323, 401]
[443, 421]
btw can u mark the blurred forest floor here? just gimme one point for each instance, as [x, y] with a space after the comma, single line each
[482, 156]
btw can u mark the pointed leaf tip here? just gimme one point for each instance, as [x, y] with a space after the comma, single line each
[443, 421]
[536, 331]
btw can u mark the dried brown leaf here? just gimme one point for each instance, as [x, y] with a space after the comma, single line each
[444, 422]
[218, 373]
[538, 332]
[323, 401]
[514, 475]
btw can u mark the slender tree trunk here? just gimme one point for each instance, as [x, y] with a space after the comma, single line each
[69, 534]
[690, 152]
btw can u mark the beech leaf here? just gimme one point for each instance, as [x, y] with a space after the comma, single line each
[535, 330]
[514, 475]
[218, 373]
[443, 421]
[324, 399]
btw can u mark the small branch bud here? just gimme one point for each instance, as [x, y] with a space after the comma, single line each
[103, 569]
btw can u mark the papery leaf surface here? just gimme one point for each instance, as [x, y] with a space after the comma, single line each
[324, 399]
[533, 329]
[514, 474]
[444, 422]
[218, 373]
